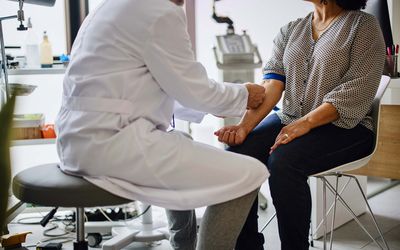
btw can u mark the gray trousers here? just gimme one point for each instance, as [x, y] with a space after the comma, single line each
[219, 229]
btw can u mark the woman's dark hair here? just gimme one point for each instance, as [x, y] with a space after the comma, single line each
[349, 4]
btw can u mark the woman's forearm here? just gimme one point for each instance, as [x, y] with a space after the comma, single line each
[273, 93]
[324, 114]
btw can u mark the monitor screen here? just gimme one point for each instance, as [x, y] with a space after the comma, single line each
[379, 8]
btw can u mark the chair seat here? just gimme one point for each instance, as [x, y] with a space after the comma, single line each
[347, 167]
[47, 185]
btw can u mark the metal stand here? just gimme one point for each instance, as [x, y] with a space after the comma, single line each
[81, 243]
[3, 64]
[144, 231]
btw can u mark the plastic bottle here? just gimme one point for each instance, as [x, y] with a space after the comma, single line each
[46, 52]
[32, 48]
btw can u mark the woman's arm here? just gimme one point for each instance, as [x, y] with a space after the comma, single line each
[273, 93]
[324, 114]
[234, 135]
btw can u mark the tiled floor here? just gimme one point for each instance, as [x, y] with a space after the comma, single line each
[386, 207]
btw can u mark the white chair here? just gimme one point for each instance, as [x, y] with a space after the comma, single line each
[340, 171]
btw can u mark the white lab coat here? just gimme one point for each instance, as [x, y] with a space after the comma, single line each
[131, 61]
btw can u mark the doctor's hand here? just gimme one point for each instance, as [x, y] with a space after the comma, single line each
[256, 95]
[232, 135]
[290, 132]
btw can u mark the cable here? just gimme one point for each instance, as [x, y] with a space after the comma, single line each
[54, 226]
[105, 215]
[22, 220]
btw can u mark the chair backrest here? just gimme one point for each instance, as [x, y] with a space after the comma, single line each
[376, 107]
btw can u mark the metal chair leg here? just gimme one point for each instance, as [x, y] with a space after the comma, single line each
[324, 209]
[372, 214]
[351, 212]
[331, 207]
[268, 222]
[334, 212]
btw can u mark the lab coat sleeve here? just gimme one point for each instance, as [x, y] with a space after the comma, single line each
[169, 57]
[187, 114]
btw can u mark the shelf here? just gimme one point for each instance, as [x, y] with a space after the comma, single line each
[32, 142]
[57, 69]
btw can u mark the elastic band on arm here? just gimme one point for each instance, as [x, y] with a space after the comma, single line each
[274, 76]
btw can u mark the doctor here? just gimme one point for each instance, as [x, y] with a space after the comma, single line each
[131, 62]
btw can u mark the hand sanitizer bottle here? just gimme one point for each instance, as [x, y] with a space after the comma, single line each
[46, 52]
[32, 48]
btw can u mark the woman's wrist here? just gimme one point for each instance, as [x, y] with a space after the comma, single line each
[246, 127]
[308, 122]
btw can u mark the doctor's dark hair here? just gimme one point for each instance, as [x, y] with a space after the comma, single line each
[349, 4]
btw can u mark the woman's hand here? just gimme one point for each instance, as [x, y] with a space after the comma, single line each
[290, 132]
[232, 135]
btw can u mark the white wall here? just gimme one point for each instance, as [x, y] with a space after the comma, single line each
[394, 10]
[43, 18]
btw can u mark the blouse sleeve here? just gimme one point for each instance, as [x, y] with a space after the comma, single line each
[275, 63]
[354, 96]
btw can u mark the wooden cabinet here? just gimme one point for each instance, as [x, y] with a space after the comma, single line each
[386, 160]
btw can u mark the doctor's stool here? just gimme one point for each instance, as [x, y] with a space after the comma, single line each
[47, 185]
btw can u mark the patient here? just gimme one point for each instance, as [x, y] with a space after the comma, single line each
[328, 65]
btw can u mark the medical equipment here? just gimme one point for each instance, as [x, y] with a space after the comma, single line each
[234, 54]
[4, 95]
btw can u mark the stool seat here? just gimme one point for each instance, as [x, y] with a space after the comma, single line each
[47, 185]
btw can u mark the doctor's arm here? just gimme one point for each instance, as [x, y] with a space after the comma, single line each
[169, 57]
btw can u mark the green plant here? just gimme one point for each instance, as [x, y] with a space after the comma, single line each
[6, 116]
